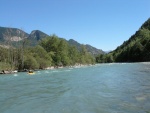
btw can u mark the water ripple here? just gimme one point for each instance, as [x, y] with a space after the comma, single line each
[105, 88]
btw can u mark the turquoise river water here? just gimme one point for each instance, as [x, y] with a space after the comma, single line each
[103, 88]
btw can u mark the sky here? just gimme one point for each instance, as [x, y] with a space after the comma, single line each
[104, 24]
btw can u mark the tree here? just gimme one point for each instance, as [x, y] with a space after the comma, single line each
[30, 62]
[85, 57]
[73, 55]
[8, 42]
[21, 49]
[42, 57]
[63, 52]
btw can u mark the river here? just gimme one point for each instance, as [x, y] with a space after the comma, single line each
[102, 88]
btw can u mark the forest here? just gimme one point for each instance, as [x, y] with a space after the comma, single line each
[50, 51]
[136, 49]
[54, 51]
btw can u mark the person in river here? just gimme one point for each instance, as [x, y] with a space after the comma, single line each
[3, 72]
[30, 71]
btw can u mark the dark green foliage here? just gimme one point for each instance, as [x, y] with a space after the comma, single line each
[104, 58]
[51, 51]
[85, 57]
[30, 62]
[73, 55]
[3, 54]
[63, 54]
[41, 56]
[136, 49]
[16, 37]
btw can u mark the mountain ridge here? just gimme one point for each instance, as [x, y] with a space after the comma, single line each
[135, 49]
[7, 33]
[16, 35]
[94, 51]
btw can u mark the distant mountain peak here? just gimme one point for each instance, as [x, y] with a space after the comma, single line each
[33, 32]
[12, 34]
[36, 35]
[36, 31]
[94, 51]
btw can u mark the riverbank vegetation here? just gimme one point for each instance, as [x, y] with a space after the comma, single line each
[54, 51]
[136, 49]
[51, 51]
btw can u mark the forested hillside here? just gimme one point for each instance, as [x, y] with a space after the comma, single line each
[35, 36]
[92, 50]
[15, 37]
[51, 51]
[136, 49]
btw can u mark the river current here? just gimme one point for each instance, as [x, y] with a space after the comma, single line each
[102, 88]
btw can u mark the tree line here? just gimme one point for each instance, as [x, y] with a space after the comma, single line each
[136, 49]
[50, 51]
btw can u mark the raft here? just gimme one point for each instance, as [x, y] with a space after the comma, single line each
[31, 73]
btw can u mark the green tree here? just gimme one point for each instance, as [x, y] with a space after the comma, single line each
[30, 62]
[63, 52]
[42, 57]
[73, 55]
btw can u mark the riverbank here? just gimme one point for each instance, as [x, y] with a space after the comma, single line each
[8, 72]
[48, 68]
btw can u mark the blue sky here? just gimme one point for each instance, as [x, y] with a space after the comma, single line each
[104, 24]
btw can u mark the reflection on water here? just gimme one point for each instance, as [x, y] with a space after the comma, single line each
[105, 88]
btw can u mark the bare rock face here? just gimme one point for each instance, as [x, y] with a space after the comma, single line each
[12, 34]
[8, 36]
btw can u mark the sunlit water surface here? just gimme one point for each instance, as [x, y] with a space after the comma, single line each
[104, 88]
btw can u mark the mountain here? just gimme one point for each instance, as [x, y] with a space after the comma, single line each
[137, 48]
[94, 51]
[35, 36]
[75, 43]
[15, 36]
[12, 34]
